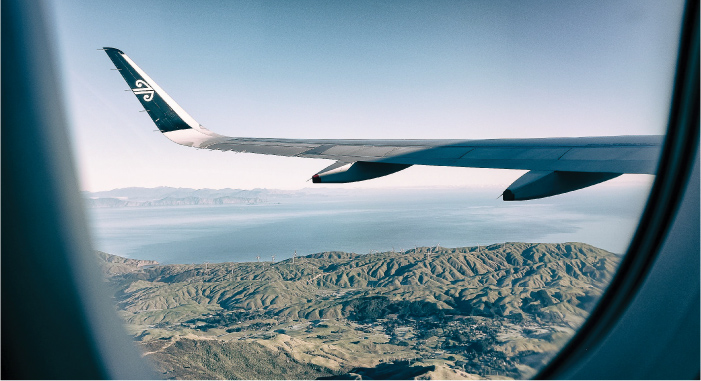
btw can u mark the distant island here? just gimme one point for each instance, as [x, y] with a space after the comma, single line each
[498, 311]
[168, 196]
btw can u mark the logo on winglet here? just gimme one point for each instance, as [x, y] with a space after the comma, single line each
[142, 88]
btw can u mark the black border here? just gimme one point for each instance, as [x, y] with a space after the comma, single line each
[676, 163]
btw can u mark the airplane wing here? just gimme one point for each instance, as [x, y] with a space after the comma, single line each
[556, 165]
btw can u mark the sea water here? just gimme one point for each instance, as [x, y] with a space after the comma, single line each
[363, 221]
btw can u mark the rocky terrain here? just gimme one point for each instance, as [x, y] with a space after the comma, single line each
[112, 265]
[497, 311]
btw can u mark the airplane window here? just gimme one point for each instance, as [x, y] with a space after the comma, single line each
[474, 250]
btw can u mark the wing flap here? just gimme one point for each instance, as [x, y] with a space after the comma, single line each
[612, 153]
[517, 153]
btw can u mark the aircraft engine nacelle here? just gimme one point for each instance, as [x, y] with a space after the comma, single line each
[538, 184]
[340, 172]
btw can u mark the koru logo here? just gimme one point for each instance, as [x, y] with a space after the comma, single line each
[142, 88]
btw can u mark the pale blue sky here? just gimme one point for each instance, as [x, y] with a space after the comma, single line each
[331, 69]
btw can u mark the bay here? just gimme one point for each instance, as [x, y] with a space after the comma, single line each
[362, 221]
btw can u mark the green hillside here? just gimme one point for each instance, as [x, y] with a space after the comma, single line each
[478, 305]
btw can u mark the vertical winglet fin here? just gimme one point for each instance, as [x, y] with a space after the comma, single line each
[163, 110]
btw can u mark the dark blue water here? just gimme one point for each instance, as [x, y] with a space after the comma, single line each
[363, 221]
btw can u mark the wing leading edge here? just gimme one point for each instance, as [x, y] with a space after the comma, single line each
[557, 165]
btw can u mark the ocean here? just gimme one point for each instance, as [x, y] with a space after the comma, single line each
[362, 221]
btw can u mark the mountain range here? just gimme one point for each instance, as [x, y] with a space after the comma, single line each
[168, 196]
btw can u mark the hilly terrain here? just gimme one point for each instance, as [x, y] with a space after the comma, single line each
[497, 311]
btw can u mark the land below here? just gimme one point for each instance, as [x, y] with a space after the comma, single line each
[498, 311]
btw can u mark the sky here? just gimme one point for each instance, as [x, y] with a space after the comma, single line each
[361, 69]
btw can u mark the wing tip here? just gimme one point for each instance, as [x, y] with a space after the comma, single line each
[109, 49]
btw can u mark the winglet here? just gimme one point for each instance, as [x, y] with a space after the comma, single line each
[165, 113]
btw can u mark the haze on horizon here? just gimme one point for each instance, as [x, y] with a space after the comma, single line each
[358, 70]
